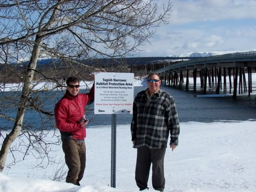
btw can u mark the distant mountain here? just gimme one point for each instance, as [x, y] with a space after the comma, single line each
[41, 62]
[198, 54]
[45, 62]
[205, 54]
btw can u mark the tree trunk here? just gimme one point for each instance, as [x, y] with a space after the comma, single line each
[22, 104]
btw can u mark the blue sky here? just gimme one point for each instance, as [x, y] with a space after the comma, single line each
[205, 26]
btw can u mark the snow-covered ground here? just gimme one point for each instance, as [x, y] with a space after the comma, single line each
[211, 157]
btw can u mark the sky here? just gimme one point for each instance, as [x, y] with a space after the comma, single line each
[205, 26]
[215, 26]
[210, 157]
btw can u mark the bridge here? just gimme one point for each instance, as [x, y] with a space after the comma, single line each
[230, 74]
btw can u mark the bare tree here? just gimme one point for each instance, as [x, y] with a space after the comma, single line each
[70, 31]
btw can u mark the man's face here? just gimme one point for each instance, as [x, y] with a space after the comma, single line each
[73, 88]
[153, 83]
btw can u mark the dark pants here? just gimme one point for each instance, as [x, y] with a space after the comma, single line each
[75, 157]
[145, 157]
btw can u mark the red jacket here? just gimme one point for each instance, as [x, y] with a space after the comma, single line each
[68, 112]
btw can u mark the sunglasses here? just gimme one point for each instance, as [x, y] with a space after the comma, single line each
[153, 80]
[74, 86]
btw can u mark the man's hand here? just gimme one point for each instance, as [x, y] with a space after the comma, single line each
[83, 122]
[173, 146]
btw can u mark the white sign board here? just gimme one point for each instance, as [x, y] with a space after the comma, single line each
[113, 93]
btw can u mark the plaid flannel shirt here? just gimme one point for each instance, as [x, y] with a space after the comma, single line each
[153, 120]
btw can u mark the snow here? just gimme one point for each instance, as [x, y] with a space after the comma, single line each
[211, 157]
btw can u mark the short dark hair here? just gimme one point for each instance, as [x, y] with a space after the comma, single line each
[154, 74]
[72, 79]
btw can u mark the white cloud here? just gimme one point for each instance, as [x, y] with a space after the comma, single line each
[205, 26]
[190, 11]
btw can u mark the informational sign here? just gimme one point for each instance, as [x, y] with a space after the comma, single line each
[113, 93]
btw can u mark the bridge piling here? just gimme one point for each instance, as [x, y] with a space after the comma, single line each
[187, 80]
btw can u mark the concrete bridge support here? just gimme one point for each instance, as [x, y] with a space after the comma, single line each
[215, 80]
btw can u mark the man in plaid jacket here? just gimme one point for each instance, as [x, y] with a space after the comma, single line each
[154, 117]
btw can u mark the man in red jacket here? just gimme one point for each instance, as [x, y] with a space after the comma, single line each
[69, 117]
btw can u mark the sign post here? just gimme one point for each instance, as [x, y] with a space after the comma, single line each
[113, 95]
[113, 151]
